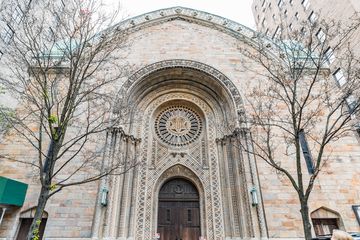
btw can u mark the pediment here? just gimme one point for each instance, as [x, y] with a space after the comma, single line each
[213, 21]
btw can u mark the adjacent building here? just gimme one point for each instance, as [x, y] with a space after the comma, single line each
[276, 18]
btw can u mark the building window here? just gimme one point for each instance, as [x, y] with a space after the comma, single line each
[306, 152]
[263, 3]
[351, 102]
[312, 17]
[303, 31]
[291, 2]
[269, 6]
[305, 4]
[263, 23]
[17, 15]
[277, 33]
[274, 16]
[285, 13]
[321, 35]
[168, 215]
[339, 77]
[280, 4]
[267, 32]
[297, 16]
[329, 55]
[290, 27]
[356, 209]
[189, 215]
[7, 34]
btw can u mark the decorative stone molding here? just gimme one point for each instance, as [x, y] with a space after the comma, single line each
[178, 125]
[182, 63]
[207, 170]
[227, 26]
[187, 14]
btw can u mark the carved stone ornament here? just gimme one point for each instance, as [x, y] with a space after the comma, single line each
[178, 125]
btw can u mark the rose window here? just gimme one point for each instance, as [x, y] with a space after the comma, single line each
[178, 125]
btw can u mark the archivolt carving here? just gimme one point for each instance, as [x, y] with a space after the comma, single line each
[206, 69]
[178, 170]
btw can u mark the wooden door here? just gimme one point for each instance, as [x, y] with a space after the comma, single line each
[25, 224]
[179, 211]
[323, 226]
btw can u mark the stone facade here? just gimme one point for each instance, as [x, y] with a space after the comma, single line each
[188, 59]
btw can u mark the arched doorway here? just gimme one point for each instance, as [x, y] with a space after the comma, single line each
[26, 218]
[325, 221]
[179, 211]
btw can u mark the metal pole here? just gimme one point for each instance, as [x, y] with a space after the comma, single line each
[2, 215]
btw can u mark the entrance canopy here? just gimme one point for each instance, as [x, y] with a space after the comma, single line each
[12, 192]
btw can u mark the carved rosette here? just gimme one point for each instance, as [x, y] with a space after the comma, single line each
[178, 126]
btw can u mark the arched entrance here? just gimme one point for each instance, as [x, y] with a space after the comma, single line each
[179, 211]
[187, 114]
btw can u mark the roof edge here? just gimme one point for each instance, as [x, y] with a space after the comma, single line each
[225, 24]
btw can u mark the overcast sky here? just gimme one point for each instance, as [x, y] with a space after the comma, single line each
[237, 10]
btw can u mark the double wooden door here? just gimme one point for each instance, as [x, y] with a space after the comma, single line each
[25, 224]
[179, 213]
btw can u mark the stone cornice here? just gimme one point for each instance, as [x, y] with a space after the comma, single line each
[187, 14]
[249, 36]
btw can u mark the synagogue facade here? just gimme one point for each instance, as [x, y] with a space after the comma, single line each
[188, 94]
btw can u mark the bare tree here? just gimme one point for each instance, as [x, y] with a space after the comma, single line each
[60, 68]
[298, 110]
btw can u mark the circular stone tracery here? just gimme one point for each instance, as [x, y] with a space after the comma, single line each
[178, 125]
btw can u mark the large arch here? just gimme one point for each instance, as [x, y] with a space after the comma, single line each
[202, 76]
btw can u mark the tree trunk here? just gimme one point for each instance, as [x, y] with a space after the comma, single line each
[305, 219]
[43, 197]
[46, 185]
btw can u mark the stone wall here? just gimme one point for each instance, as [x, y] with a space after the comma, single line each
[71, 212]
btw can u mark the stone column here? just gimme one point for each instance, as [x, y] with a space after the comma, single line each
[111, 221]
[259, 208]
[237, 179]
[244, 138]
